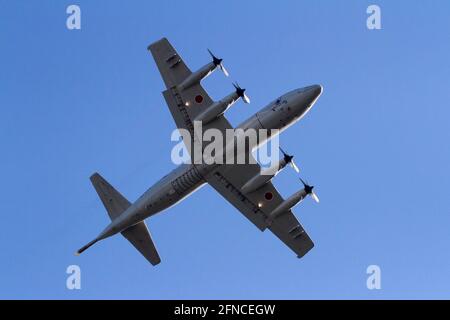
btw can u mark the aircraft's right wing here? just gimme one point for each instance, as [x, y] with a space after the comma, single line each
[185, 104]
[228, 180]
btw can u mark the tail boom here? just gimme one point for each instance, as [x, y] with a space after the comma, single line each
[116, 204]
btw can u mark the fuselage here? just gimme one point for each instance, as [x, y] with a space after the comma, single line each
[186, 178]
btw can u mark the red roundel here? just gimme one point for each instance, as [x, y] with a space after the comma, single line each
[268, 195]
[199, 98]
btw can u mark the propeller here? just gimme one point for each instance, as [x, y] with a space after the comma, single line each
[290, 159]
[309, 190]
[241, 93]
[218, 63]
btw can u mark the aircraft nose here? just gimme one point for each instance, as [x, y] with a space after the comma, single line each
[318, 89]
[308, 95]
[311, 94]
[315, 90]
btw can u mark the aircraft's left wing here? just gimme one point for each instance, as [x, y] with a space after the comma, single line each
[256, 206]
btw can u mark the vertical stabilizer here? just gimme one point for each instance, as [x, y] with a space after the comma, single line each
[114, 202]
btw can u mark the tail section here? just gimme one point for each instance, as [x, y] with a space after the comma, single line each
[140, 238]
[85, 247]
[115, 204]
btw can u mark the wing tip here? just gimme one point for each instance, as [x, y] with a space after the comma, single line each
[94, 175]
[155, 262]
[304, 252]
[153, 44]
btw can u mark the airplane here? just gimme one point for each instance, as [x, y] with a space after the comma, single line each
[243, 185]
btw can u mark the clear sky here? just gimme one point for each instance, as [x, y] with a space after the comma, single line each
[376, 146]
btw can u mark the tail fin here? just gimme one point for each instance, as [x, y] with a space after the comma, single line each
[115, 203]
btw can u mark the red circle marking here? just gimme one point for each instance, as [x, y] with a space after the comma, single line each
[199, 98]
[268, 196]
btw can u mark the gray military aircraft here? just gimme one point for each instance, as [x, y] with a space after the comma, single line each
[243, 185]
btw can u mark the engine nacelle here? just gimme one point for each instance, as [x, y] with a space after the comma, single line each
[286, 205]
[261, 179]
[198, 76]
[217, 108]
[256, 182]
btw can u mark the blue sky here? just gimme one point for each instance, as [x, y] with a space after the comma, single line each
[376, 146]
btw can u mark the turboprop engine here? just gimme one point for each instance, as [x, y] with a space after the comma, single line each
[292, 201]
[261, 179]
[219, 107]
[203, 72]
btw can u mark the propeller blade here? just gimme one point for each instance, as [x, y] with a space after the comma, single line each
[241, 92]
[315, 197]
[294, 166]
[304, 183]
[218, 63]
[246, 98]
[212, 54]
[225, 72]
[282, 151]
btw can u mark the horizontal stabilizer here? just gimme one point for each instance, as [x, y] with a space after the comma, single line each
[140, 238]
